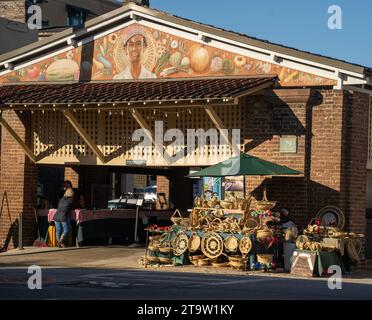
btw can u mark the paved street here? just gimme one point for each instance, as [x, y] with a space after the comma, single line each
[100, 281]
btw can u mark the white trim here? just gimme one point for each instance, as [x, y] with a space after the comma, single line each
[105, 23]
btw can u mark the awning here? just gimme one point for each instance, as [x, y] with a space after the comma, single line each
[89, 94]
[245, 165]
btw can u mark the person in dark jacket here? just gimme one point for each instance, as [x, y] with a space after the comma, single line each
[62, 217]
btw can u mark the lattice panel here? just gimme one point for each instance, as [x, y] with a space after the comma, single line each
[54, 137]
[56, 142]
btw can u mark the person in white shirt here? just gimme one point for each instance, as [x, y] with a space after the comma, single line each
[135, 45]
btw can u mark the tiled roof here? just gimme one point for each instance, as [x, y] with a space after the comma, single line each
[131, 91]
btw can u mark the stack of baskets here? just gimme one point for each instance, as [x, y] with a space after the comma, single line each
[159, 250]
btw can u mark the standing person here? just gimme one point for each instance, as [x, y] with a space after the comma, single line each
[62, 217]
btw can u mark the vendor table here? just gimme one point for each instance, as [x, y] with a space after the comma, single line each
[102, 225]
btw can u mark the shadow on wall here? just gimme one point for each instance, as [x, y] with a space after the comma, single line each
[303, 199]
[271, 117]
[11, 235]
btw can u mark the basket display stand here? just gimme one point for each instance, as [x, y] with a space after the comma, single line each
[150, 232]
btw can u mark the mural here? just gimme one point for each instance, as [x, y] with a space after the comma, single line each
[138, 52]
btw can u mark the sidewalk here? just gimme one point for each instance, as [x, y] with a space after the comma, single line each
[125, 258]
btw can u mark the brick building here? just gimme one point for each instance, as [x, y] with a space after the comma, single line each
[74, 101]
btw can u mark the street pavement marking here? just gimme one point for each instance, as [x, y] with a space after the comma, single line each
[193, 282]
[158, 276]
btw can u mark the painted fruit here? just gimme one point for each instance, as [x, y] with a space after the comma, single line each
[62, 70]
[199, 58]
[33, 72]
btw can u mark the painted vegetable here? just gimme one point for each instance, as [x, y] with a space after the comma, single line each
[107, 64]
[217, 64]
[99, 66]
[185, 62]
[175, 59]
[62, 70]
[199, 58]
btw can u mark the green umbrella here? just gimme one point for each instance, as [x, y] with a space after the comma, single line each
[245, 165]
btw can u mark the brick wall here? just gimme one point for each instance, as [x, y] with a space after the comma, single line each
[332, 130]
[13, 10]
[163, 185]
[18, 181]
[72, 174]
[354, 163]
[266, 119]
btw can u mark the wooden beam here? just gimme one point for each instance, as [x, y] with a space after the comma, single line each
[144, 125]
[256, 89]
[217, 121]
[142, 122]
[83, 134]
[16, 137]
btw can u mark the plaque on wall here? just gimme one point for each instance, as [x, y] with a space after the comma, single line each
[288, 144]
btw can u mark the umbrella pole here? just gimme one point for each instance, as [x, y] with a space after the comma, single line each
[244, 187]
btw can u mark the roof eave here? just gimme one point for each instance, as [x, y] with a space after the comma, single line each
[193, 25]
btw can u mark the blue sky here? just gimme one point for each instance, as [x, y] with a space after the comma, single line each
[302, 24]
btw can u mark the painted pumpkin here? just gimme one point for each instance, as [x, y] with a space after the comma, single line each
[199, 58]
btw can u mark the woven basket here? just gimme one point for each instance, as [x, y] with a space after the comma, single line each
[176, 217]
[231, 244]
[204, 262]
[165, 249]
[152, 259]
[226, 205]
[237, 265]
[265, 204]
[165, 260]
[194, 243]
[265, 258]
[236, 258]
[198, 257]
[301, 241]
[263, 234]
[245, 245]
[251, 223]
[195, 262]
[153, 248]
[220, 264]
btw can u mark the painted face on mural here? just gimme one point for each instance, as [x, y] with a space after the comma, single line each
[135, 48]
